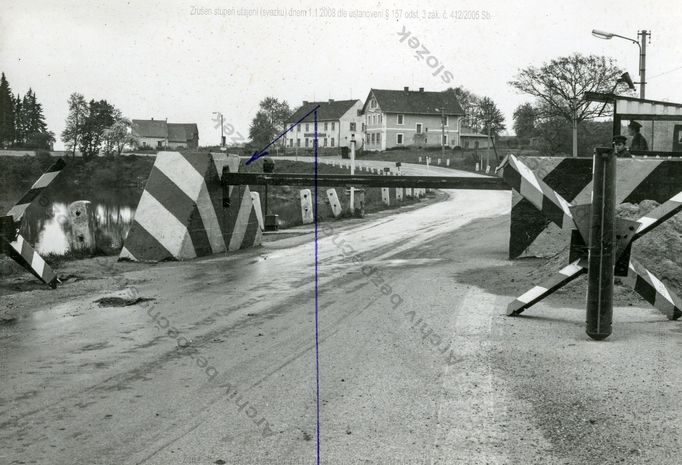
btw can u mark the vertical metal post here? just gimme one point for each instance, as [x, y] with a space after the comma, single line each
[601, 245]
[642, 62]
[352, 172]
[442, 136]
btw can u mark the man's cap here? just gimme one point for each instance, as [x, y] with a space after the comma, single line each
[619, 139]
[634, 125]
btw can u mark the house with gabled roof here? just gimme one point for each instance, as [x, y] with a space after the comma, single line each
[160, 134]
[338, 121]
[411, 118]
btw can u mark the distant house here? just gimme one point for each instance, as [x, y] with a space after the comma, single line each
[337, 122]
[160, 134]
[411, 118]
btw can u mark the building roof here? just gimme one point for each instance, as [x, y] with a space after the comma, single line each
[149, 128]
[331, 110]
[161, 129]
[182, 132]
[418, 102]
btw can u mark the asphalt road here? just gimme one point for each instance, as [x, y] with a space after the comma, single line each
[418, 363]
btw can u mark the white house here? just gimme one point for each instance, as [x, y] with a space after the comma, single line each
[411, 118]
[337, 122]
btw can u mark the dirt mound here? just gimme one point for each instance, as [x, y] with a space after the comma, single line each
[660, 251]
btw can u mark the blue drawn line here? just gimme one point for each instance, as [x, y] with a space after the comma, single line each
[317, 338]
[262, 152]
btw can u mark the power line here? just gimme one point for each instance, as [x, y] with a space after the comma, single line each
[666, 72]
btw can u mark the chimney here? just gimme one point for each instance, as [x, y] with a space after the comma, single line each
[305, 102]
[331, 100]
[421, 89]
[406, 89]
[152, 118]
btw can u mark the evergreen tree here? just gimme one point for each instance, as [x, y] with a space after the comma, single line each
[19, 121]
[7, 111]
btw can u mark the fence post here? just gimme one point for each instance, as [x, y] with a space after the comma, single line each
[601, 258]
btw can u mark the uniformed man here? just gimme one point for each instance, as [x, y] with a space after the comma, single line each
[620, 148]
[638, 141]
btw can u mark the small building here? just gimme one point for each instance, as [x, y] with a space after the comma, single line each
[160, 134]
[395, 118]
[338, 121]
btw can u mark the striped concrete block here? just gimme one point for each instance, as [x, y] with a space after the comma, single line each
[531, 234]
[653, 290]
[306, 206]
[386, 196]
[181, 215]
[537, 293]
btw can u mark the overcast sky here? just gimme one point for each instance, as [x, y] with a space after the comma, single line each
[179, 60]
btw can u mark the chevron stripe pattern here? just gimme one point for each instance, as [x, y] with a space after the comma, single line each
[180, 215]
[18, 210]
[531, 234]
[537, 293]
[653, 290]
[542, 196]
[22, 252]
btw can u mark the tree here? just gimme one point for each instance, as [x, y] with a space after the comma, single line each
[524, 121]
[117, 136]
[30, 127]
[78, 112]
[101, 115]
[7, 112]
[490, 117]
[469, 103]
[560, 86]
[270, 120]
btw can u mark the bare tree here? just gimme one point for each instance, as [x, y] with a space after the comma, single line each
[560, 86]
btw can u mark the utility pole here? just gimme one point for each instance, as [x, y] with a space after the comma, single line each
[642, 61]
[442, 137]
[222, 129]
[352, 172]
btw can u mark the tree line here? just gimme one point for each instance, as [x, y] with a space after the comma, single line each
[95, 126]
[22, 123]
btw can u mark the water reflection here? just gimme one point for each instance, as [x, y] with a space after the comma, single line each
[49, 228]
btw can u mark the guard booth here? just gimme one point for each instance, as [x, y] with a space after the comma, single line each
[661, 122]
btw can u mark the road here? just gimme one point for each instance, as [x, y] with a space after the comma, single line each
[418, 363]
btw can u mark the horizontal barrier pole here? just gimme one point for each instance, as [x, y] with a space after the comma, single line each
[347, 180]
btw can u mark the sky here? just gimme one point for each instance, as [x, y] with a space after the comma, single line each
[184, 60]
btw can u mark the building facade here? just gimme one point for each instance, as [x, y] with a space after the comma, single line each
[338, 121]
[160, 134]
[411, 118]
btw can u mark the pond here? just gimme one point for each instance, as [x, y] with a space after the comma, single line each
[46, 223]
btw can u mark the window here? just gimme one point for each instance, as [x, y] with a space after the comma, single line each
[352, 126]
[307, 129]
[298, 128]
[399, 139]
[419, 128]
[298, 142]
[159, 143]
[144, 143]
[445, 139]
[466, 144]
[379, 138]
[291, 142]
[401, 119]
[332, 142]
[333, 124]
[379, 118]
[324, 144]
[306, 142]
[372, 138]
[447, 120]
[325, 126]
[372, 103]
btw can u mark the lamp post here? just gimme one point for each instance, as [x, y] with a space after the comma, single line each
[442, 128]
[643, 34]
[222, 136]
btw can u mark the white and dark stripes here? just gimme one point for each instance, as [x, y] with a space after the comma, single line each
[653, 290]
[18, 210]
[22, 252]
[537, 293]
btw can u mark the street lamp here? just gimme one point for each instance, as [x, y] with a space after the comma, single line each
[222, 136]
[642, 52]
[442, 128]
